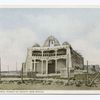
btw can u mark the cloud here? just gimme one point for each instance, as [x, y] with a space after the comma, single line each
[21, 28]
[13, 47]
[89, 46]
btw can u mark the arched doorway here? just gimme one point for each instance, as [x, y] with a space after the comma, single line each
[51, 66]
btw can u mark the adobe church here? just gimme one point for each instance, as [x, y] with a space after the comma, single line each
[52, 59]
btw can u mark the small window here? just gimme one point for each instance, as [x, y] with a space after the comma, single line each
[51, 43]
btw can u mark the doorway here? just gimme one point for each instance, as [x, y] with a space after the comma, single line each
[51, 66]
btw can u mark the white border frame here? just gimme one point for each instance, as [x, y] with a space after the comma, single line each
[49, 5]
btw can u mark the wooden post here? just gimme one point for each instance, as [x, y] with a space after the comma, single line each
[8, 69]
[87, 73]
[0, 69]
[22, 73]
[16, 66]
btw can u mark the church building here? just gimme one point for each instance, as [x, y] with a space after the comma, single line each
[52, 59]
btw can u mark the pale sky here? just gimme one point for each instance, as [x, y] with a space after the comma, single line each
[20, 28]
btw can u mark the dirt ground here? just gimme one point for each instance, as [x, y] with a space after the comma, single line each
[29, 86]
[40, 86]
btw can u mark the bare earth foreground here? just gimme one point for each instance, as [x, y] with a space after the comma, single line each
[39, 86]
[44, 87]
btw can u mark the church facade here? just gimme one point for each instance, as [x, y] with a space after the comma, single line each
[52, 58]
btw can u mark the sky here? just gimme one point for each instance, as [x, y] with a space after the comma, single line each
[21, 28]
